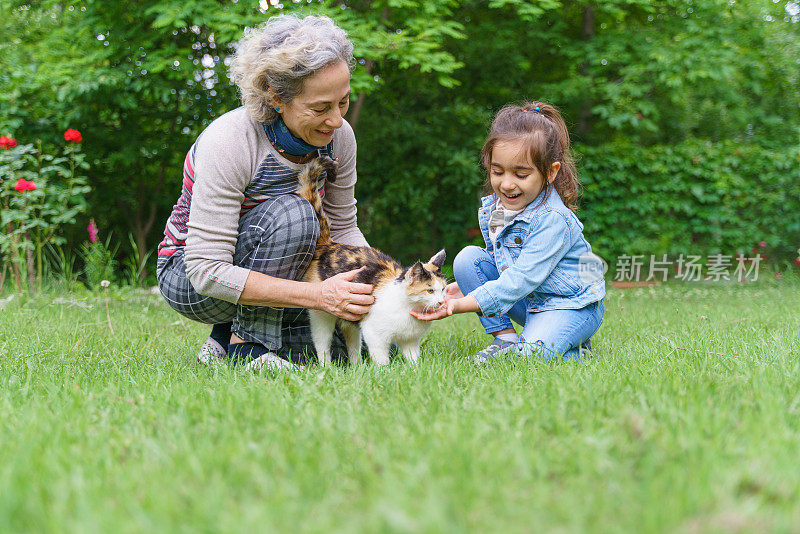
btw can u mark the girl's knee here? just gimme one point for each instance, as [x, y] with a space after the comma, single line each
[465, 260]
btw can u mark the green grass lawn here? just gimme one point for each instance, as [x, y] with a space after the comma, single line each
[687, 419]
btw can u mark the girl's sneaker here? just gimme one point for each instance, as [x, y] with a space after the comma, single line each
[583, 349]
[495, 348]
[499, 347]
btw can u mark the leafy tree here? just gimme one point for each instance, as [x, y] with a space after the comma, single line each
[142, 80]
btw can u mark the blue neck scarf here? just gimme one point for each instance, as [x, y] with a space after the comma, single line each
[280, 136]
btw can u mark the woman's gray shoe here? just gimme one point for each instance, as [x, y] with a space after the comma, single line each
[495, 348]
[270, 360]
[212, 353]
[253, 357]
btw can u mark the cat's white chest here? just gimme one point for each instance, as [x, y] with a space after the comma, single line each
[390, 316]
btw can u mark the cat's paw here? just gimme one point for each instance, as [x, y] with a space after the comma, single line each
[380, 360]
[411, 354]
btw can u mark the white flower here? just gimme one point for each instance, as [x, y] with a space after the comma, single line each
[105, 283]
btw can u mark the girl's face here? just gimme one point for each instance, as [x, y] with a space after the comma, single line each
[514, 179]
[317, 112]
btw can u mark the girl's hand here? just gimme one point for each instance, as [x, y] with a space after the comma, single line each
[439, 313]
[340, 296]
[452, 291]
[450, 306]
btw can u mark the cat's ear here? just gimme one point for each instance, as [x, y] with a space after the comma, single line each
[417, 271]
[438, 259]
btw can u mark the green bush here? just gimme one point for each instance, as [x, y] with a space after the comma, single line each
[693, 198]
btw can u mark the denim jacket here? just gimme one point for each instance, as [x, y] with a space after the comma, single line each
[542, 257]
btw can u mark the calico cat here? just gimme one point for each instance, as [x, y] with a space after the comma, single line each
[397, 290]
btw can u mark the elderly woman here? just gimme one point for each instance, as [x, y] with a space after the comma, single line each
[237, 240]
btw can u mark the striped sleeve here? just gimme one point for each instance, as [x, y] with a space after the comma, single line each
[223, 168]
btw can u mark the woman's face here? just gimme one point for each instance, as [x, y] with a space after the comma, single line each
[317, 112]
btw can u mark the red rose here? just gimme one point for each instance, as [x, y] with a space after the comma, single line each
[73, 135]
[797, 261]
[24, 185]
[7, 142]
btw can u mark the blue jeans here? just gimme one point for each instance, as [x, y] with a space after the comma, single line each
[548, 333]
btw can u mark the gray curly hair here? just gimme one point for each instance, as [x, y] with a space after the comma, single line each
[280, 54]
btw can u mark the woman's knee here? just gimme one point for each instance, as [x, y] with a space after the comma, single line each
[278, 237]
[287, 218]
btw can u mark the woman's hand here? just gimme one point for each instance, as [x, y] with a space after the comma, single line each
[340, 296]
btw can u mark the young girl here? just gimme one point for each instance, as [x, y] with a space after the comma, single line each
[537, 268]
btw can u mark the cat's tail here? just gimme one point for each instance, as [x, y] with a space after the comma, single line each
[308, 181]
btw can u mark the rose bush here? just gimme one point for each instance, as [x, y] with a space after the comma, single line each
[40, 193]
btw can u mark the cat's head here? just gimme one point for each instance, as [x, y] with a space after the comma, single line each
[425, 283]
